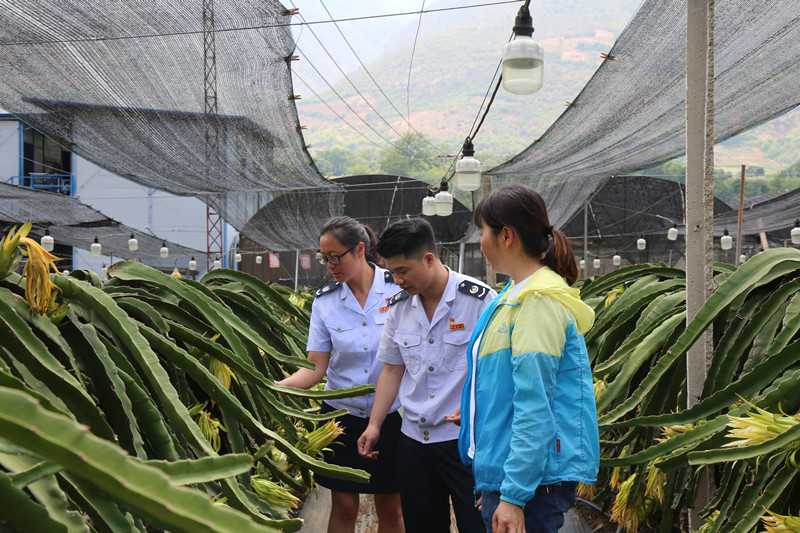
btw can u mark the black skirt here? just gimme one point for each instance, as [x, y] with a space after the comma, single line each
[384, 471]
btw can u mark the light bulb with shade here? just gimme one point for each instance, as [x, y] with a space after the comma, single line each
[192, 264]
[217, 264]
[47, 241]
[582, 264]
[65, 272]
[176, 273]
[672, 234]
[616, 260]
[237, 258]
[726, 241]
[742, 259]
[164, 252]
[443, 201]
[429, 204]
[523, 58]
[95, 248]
[133, 244]
[259, 259]
[468, 169]
[796, 232]
[641, 244]
[596, 262]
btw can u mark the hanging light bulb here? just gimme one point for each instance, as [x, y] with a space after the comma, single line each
[641, 244]
[596, 262]
[217, 264]
[176, 273]
[582, 264]
[523, 58]
[429, 204]
[133, 244]
[65, 272]
[47, 241]
[104, 272]
[164, 252]
[616, 259]
[742, 259]
[259, 259]
[468, 169]
[237, 258]
[796, 232]
[672, 234]
[726, 242]
[192, 264]
[443, 200]
[95, 248]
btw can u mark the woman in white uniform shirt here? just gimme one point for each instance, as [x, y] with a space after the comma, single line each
[347, 320]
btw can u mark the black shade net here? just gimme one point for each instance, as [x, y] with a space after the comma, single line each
[122, 84]
[76, 224]
[631, 115]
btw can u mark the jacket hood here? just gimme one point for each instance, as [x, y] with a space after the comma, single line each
[546, 281]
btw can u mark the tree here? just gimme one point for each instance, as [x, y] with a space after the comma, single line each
[411, 156]
[334, 162]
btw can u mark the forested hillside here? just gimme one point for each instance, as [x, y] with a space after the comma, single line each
[446, 91]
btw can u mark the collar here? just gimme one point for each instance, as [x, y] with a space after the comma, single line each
[449, 293]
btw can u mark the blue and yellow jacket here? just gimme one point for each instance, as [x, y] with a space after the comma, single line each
[527, 408]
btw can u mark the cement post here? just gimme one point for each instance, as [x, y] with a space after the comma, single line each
[699, 204]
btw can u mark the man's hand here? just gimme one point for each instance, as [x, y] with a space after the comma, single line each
[455, 418]
[508, 518]
[367, 441]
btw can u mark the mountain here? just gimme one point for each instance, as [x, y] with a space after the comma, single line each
[454, 60]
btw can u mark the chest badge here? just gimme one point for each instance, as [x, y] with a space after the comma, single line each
[386, 308]
[453, 324]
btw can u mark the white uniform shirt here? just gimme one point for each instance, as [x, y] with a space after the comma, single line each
[434, 354]
[351, 334]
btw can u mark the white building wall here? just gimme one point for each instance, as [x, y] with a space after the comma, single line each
[9, 147]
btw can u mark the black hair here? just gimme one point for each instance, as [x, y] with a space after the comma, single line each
[410, 237]
[522, 209]
[350, 232]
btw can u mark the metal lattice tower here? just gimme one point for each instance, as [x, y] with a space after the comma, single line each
[211, 119]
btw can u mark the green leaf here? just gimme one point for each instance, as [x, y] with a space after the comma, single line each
[62, 441]
[204, 469]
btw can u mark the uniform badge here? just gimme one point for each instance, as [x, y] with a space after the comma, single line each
[471, 288]
[386, 308]
[453, 324]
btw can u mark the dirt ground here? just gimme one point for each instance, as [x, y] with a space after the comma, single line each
[598, 522]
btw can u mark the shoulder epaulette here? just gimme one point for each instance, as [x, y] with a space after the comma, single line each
[477, 290]
[387, 277]
[399, 297]
[327, 289]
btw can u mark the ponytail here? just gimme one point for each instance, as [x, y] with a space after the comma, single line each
[560, 258]
[369, 251]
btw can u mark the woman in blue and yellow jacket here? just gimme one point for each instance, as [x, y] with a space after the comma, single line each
[529, 421]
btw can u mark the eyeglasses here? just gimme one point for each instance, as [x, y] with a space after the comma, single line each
[334, 259]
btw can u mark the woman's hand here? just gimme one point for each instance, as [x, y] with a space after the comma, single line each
[455, 418]
[508, 518]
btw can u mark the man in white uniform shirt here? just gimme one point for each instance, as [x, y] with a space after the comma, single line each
[423, 348]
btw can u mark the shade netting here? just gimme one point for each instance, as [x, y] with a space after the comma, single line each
[631, 114]
[76, 224]
[122, 84]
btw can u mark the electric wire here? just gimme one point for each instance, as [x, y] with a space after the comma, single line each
[411, 63]
[249, 28]
[371, 77]
[353, 85]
